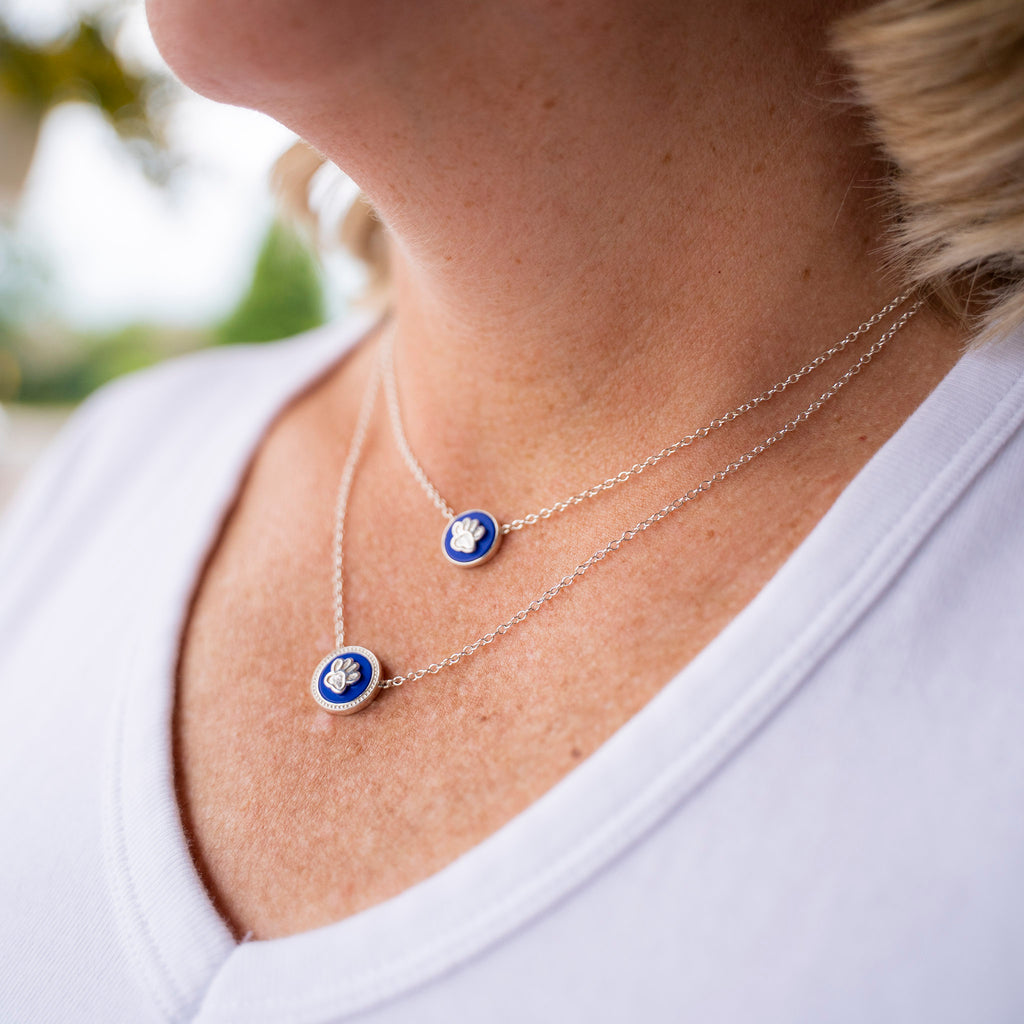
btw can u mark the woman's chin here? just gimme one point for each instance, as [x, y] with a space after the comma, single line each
[199, 43]
[263, 53]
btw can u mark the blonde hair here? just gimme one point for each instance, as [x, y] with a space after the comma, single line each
[942, 82]
[360, 230]
[942, 85]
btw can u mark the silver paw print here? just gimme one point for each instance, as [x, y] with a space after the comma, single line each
[465, 534]
[344, 673]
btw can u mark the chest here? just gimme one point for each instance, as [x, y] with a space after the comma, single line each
[277, 794]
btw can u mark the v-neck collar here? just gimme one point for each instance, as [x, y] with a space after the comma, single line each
[185, 954]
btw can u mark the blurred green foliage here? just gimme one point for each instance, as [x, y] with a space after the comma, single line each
[285, 296]
[43, 360]
[47, 363]
[82, 62]
[92, 360]
[83, 66]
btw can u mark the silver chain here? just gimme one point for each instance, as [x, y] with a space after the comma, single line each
[420, 474]
[612, 546]
[387, 357]
[341, 507]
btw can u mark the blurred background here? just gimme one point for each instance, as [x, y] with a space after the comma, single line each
[137, 219]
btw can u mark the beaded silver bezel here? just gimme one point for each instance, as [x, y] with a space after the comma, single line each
[359, 702]
[483, 558]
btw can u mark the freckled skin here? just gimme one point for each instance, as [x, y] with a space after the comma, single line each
[623, 219]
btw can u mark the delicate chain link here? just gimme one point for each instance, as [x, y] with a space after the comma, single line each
[419, 473]
[387, 356]
[341, 506]
[655, 517]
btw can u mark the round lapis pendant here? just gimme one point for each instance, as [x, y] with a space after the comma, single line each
[472, 538]
[346, 680]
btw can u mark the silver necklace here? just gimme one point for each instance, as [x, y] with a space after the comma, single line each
[473, 537]
[350, 677]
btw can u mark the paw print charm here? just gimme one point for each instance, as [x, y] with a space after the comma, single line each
[465, 534]
[344, 673]
[346, 680]
[472, 538]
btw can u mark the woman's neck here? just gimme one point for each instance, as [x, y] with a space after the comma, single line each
[656, 213]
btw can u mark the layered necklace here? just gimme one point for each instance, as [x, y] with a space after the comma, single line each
[350, 677]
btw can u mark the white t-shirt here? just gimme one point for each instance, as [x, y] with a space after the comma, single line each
[821, 819]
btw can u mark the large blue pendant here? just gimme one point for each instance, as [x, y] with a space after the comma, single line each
[472, 538]
[346, 680]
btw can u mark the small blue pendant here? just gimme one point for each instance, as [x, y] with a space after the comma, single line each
[472, 538]
[346, 680]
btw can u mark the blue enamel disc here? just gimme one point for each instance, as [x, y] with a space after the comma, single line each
[346, 680]
[472, 538]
